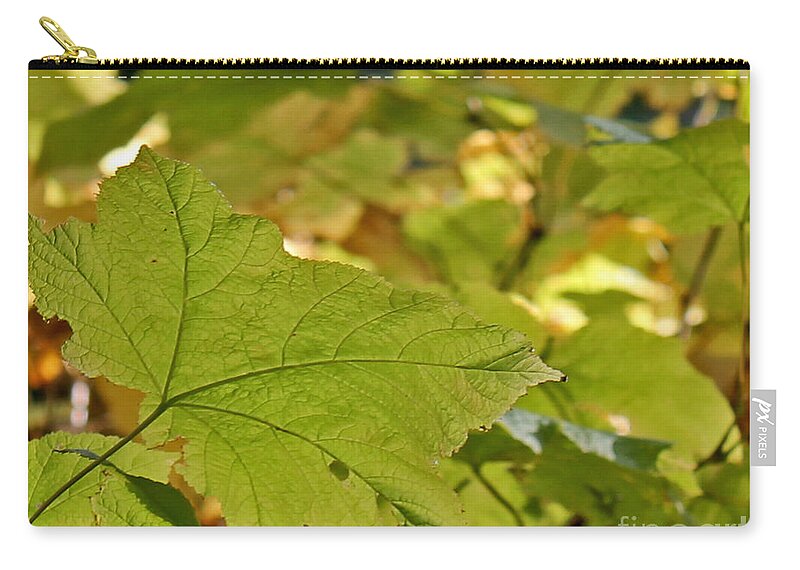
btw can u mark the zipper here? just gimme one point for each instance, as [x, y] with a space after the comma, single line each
[72, 51]
[79, 57]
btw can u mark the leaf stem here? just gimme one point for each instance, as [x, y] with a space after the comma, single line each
[101, 459]
[522, 258]
[719, 455]
[699, 275]
[496, 494]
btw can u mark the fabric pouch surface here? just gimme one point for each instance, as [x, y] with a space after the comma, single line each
[352, 293]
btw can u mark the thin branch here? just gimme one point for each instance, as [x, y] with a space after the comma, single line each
[719, 455]
[698, 277]
[96, 462]
[496, 494]
[520, 262]
[743, 375]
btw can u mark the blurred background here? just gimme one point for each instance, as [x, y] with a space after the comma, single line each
[604, 218]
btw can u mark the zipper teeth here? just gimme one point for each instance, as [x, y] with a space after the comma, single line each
[392, 63]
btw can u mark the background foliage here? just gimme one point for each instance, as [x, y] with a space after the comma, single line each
[606, 219]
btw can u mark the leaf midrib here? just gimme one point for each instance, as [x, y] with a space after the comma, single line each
[168, 402]
[184, 284]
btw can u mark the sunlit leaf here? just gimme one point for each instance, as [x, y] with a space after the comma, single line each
[272, 368]
[698, 179]
[128, 490]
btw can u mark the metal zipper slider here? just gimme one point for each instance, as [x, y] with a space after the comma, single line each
[72, 52]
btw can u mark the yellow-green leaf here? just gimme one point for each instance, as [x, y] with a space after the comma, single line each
[305, 392]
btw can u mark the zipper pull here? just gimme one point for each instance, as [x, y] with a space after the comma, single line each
[72, 52]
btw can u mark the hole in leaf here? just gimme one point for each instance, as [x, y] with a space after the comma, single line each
[339, 470]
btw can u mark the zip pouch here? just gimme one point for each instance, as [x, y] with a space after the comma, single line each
[388, 292]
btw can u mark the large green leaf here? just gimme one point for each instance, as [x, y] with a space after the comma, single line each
[130, 489]
[306, 392]
[697, 179]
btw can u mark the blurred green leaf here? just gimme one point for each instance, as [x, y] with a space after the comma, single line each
[534, 431]
[726, 498]
[622, 377]
[619, 131]
[698, 179]
[434, 117]
[501, 307]
[599, 475]
[199, 111]
[474, 241]
[596, 474]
